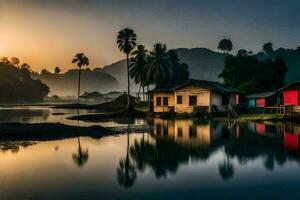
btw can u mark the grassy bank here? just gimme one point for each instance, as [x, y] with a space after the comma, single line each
[49, 131]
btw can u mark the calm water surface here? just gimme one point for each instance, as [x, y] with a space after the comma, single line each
[178, 159]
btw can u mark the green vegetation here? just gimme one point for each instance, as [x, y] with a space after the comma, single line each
[16, 84]
[225, 45]
[250, 75]
[138, 67]
[158, 67]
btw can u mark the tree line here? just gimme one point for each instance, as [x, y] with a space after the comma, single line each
[250, 74]
[16, 84]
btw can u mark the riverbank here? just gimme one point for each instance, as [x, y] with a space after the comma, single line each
[101, 117]
[49, 131]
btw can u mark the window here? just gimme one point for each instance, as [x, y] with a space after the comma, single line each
[179, 99]
[165, 101]
[158, 101]
[179, 132]
[192, 100]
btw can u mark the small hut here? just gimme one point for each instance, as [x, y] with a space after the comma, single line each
[262, 100]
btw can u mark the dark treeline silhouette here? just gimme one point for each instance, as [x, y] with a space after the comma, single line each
[249, 74]
[290, 56]
[16, 84]
[159, 67]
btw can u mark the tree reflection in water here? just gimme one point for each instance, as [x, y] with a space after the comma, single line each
[126, 171]
[226, 169]
[81, 157]
[165, 154]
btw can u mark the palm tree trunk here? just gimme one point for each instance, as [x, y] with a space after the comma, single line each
[139, 92]
[128, 82]
[78, 85]
[148, 94]
[143, 93]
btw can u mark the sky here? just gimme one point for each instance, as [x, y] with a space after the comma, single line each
[48, 33]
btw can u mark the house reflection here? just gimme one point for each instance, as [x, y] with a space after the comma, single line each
[176, 142]
[291, 136]
[288, 133]
[192, 133]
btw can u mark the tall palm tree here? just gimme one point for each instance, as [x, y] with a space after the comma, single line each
[81, 156]
[159, 67]
[81, 60]
[137, 66]
[126, 41]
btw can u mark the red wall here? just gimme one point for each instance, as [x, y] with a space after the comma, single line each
[261, 102]
[291, 141]
[260, 129]
[234, 99]
[290, 97]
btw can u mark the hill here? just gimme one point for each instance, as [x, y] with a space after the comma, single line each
[16, 85]
[207, 64]
[66, 84]
[203, 64]
[292, 59]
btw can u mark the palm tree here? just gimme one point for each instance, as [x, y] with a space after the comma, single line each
[126, 41]
[81, 156]
[81, 60]
[159, 67]
[138, 65]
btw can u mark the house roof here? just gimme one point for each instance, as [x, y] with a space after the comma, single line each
[163, 88]
[289, 85]
[261, 95]
[215, 86]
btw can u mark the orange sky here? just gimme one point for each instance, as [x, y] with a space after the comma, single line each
[48, 33]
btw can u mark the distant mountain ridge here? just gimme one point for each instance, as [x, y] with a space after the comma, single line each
[203, 63]
[206, 64]
[66, 84]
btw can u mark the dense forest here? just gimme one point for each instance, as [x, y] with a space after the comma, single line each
[16, 84]
[251, 73]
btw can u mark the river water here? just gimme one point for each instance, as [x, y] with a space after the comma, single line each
[177, 159]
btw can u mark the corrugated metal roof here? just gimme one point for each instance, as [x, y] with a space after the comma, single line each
[261, 95]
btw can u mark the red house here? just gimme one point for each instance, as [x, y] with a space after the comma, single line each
[291, 95]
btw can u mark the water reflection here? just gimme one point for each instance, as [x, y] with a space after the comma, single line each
[176, 142]
[14, 146]
[81, 157]
[126, 171]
